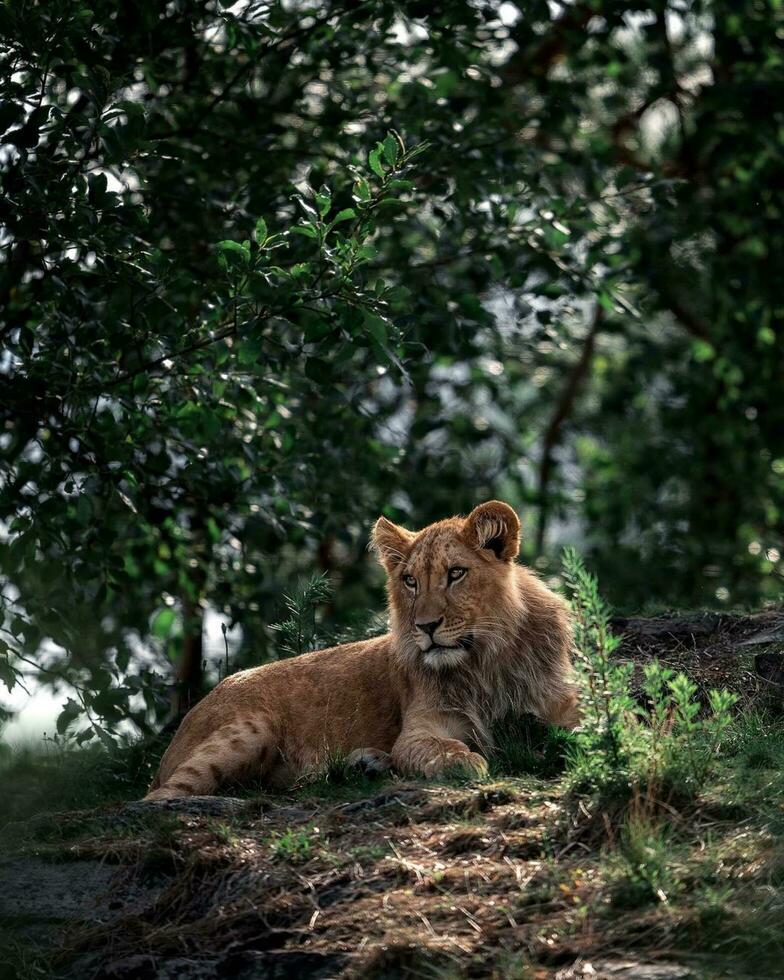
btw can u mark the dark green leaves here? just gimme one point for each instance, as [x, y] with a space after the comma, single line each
[163, 623]
[374, 160]
[233, 255]
[260, 233]
[68, 715]
[347, 214]
[376, 327]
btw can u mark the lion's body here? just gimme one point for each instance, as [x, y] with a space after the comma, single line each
[287, 717]
[425, 697]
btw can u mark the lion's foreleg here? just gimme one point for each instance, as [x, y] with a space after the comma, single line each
[423, 752]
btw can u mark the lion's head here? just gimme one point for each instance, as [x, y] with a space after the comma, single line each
[452, 588]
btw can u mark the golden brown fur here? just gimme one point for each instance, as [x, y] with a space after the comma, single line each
[473, 637]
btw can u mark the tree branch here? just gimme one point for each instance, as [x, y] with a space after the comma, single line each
[563, 409]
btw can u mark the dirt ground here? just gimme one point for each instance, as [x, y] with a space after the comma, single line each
[739, 652]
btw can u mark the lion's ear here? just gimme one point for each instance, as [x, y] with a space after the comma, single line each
[494, 526]
[391, 542]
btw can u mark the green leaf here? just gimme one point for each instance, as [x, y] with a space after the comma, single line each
[70, 713]
[391, 148]
[606, 301]
[376, 326]
[702, 350]
[397, 295]
[307, 230]
[7, 673]
[362, 192]
[374, 160]
[84, 510]
[260, 233]
[163, 622]
[318, 370]
[232, 254]
[323, 201]
[345, 215]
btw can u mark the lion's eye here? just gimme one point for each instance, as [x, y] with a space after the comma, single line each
[456, 573]
[409, 581]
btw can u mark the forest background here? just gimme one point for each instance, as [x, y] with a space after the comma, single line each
[273, 269]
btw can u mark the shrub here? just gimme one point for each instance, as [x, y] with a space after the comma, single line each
[655, 754]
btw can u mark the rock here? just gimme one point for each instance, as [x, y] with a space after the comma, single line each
[699, 624]
[399, 797]
[770, 666]
[774, 635]
[208, 806]
[38, 899]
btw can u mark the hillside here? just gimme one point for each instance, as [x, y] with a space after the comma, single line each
[520, 875]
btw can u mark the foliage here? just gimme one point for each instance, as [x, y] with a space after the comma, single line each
[658, 751]
[646, 850]
[242, 316]
[295, 845]
[298, 632]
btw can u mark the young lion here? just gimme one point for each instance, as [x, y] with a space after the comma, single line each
[473, 636]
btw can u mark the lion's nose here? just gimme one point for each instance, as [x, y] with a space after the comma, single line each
[430, 627]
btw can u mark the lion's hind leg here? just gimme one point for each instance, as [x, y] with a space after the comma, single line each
[233, 752]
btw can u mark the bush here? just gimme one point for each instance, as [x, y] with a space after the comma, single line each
[655, 754]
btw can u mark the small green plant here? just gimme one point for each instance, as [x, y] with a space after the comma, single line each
[298, 633]
[601, 757]
[645, 849]
[625, 749]
[223, 832]
[369, 853]
[295, 846]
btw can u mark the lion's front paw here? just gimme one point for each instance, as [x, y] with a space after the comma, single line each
[471, 762]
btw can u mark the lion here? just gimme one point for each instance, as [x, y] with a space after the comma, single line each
[473, 637]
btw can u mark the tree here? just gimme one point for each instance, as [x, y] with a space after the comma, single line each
[241, 319]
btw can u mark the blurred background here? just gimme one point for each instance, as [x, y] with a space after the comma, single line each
[530, 251]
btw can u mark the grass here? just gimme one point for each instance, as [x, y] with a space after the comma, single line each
[49, 777]
[527, 746]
